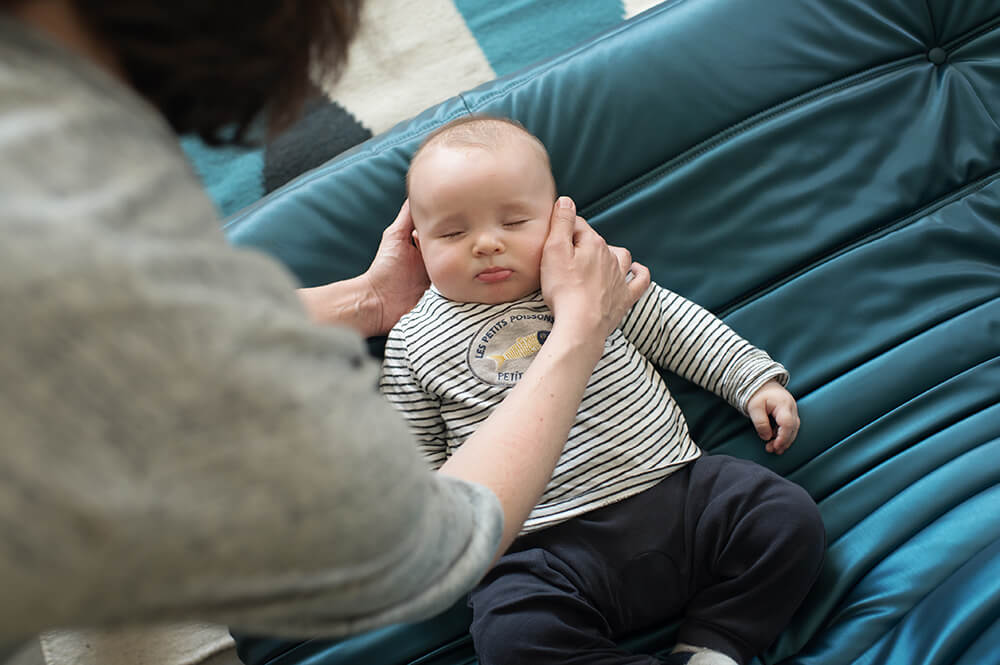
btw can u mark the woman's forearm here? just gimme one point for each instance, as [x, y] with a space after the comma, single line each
[349, 303]
[515, 451]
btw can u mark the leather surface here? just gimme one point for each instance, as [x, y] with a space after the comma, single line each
[813, 173]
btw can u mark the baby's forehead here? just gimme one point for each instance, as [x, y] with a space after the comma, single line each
[515, 141]
[492, 137]
[521, 148]
[485, 130]
[488, 134]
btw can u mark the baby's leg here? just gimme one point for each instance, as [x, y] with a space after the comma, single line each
[756, 543]
[529, 609]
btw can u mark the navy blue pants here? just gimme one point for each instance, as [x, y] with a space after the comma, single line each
[724, 544]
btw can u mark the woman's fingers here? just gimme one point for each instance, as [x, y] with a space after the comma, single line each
[562, 226]
[624, 257]
[585, 278]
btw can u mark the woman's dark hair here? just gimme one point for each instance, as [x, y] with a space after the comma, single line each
[213, 67]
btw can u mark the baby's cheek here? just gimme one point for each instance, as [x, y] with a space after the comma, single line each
[448, 268]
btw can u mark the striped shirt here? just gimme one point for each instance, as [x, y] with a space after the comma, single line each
[449, 364]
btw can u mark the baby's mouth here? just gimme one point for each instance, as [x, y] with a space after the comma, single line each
[494, 274]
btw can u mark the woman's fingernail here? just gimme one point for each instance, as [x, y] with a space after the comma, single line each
[564, 202]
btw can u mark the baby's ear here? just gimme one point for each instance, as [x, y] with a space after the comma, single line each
[415, 238]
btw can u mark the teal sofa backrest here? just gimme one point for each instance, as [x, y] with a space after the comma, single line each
[824, 175]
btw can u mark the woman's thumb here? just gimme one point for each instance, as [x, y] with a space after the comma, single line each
[563, 219]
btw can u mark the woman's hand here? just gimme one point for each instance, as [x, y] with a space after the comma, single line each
[396, 276]
[374, 301]
[583, 279]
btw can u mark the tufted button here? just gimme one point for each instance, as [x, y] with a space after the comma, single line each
[937, 55]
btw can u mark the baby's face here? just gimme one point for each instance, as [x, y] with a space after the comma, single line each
[481, 217]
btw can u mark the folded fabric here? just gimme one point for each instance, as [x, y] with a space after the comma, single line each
[175, 644]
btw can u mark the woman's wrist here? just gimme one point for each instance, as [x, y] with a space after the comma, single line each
[575, 343]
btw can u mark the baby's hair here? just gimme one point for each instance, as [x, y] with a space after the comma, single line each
[476, 131]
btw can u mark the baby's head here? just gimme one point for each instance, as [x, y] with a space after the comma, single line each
[481, 192]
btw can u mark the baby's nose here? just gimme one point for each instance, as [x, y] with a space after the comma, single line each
[488, 244]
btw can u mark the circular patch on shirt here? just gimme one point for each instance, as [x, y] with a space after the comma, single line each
[504, 346]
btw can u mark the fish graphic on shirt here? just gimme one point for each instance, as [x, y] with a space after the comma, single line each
[521, 348]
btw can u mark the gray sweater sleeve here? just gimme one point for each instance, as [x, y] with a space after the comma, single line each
[179, 442]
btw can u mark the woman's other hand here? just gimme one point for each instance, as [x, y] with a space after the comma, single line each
[374, 301]
[396, 275]
[584, 280]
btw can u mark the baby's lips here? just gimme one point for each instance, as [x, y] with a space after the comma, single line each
[492, 275]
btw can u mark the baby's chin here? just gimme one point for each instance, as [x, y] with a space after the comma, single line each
[489, 296]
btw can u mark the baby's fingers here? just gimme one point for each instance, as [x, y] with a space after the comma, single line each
[761, 423]
[639, 282]
[787, 419]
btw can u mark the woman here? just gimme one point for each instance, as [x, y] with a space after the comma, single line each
[181, 441]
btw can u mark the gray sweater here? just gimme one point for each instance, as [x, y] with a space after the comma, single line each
[177, 441]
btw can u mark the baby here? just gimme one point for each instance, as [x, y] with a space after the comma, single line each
[636, 526]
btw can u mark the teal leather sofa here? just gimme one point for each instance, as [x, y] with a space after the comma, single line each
[825, 176]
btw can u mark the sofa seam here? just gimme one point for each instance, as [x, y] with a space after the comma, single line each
[746, 124]
[951, 574]
[465, 103]
[984, 28]
[881, 353]
[816, 93]
[868, 237]
[977, 95]
[867, 570]
[601, 205]
[792, 472]
[910, 337]
[881, 462]
[930, 19]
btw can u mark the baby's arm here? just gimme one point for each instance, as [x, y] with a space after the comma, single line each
[772, 403]
[688, 340]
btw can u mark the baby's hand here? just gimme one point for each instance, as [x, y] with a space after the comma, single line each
[772, 403]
